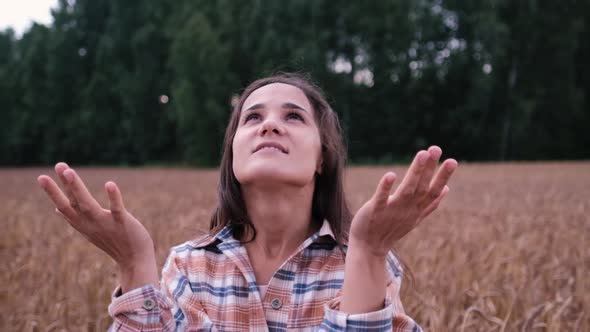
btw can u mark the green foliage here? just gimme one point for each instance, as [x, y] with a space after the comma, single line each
[199, 59]
[150, 82]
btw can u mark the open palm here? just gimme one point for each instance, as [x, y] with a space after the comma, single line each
[115, 231]
[386, 218]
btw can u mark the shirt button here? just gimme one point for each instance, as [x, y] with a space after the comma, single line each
[149, 304]
[276, 304]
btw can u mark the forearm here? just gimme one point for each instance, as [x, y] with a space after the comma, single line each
[365, 281]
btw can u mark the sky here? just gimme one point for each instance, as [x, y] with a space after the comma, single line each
[19, 14]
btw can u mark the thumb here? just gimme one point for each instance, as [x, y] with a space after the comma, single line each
[383, 188]
[115, 200]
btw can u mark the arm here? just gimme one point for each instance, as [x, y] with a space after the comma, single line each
[386, 314]
[119, 234]
[378, 225]
[172, 307]
[365, 281]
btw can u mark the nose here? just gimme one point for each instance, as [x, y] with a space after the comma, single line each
[270, 125]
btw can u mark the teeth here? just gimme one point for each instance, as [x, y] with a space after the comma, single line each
[271, 147]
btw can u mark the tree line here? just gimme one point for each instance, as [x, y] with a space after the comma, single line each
[142, 82]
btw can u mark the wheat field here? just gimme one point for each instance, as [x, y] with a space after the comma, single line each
[508, 249]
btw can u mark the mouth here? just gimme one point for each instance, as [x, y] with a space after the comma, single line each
[271, 146]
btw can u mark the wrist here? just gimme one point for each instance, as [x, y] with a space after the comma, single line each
[138, 274]
[369, 251]
[365, 259]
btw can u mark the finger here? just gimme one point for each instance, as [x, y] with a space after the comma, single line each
[86, 203]
[434, 153]
[116, 201]
[408, 186]
[61, 214]
[442, 176]
[434, 205]
[59, 170]
[76, 225]
[62, 203]
[383, 188]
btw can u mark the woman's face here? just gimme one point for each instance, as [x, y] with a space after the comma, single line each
[277, 139]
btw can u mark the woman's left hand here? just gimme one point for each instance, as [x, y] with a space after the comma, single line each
[385, 218]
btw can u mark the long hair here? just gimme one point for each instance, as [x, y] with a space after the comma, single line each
[329, 200]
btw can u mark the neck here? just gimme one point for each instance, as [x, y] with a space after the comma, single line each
[281, 216]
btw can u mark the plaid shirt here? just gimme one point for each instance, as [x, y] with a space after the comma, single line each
[209, 285]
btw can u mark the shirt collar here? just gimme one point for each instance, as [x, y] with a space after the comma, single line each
[226, 235]
[325, 230]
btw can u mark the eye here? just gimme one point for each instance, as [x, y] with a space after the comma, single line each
[294, 115]
[251, 116]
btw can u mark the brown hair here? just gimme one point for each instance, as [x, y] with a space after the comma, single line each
[329, 200]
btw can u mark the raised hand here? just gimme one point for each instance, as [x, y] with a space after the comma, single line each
[385, 219]
[114, 231]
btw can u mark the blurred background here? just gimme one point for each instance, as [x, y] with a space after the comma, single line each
[151, 82]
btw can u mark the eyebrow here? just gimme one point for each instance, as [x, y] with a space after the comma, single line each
[285, 105]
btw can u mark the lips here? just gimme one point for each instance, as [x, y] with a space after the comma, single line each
[271, 145]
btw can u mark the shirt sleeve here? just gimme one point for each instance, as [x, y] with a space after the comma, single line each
[173, 307]
[391, 318]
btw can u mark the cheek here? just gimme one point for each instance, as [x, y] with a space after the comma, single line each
[238, 143]
[236, 153]
[318, 144]
[241, 150]
[316, 150]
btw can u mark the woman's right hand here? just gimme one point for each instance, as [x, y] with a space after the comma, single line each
[114, 231]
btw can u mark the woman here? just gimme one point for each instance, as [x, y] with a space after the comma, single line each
[275, 255]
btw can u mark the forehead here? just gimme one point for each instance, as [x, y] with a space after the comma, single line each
[278, 93]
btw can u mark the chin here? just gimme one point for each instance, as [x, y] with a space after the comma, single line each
[271, 174]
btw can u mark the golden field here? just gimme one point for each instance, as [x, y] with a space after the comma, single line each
[508, 250]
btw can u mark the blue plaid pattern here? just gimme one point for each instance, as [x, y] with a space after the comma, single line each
[208, 284]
